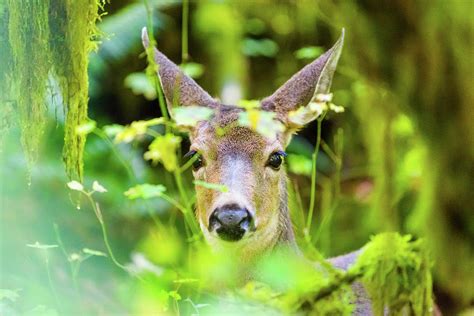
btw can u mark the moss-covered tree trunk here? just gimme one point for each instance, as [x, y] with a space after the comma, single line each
[424, 55]
[45, 41]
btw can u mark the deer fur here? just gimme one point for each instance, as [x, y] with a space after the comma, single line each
[237, 158]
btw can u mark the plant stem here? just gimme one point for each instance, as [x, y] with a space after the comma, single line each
[151, 62]
[63, 249]
[101, 134]
[98, 214]
[184, 36]
[313, 179]
[50, 279]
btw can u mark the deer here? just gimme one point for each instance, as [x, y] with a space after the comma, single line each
[253, 216]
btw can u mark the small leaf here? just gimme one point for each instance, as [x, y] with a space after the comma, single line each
[76, 186]
[211, 186]
[163, 149]
[175, 295]
[94, 252]
[263, 122]
[309, 52]
[37, 245]
[137, 128]
[181, 281]
[249, 104]
[9, 294]
[74, 257]
[145, 191]
[299, 164]
[193, 70]
[86, 128]
[96, 186]
[113, 130]
[336, 108]
[140, 84]
[189, 116]
[259, 47]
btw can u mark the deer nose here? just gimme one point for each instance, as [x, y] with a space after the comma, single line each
[230, 222]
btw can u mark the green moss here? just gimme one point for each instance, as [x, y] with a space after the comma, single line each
[71, 44]
[49, 39]
[28, 35]
[396, 274]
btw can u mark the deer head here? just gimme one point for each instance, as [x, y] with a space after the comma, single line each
[252, 216]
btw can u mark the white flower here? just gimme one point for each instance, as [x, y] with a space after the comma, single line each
[96, 186]
[76, 186]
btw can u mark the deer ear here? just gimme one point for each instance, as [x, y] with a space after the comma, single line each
[179, 89]
[303, 88]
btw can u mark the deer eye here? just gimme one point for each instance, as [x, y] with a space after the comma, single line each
[276, 159]
[197, 157]
[199, 162]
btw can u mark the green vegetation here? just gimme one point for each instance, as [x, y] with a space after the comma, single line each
[389, 175]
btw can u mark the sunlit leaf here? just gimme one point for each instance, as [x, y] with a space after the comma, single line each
[336, 108]
[175, 295]
[86, 128]
[140, 85]
[163, 149]
[136, 129]
[112, 130]
[299, 164]
[145, 191]
[186, 281]
[190, 115]
[193, 70]
[141, 264]
[211, 186]
[309, 52]
[94, 252]
[76, 186]
[96, 186]
[74, 257]
[249, 104]
[262, 122]
[37, 245]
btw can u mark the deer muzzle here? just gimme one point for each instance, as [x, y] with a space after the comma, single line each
[231, 222]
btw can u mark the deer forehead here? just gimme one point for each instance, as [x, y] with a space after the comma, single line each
[222, 137]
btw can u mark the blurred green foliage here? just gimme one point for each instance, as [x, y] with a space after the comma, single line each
[399, 159]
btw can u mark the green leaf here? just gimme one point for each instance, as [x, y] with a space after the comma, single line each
[309, 52]
[175, 295]
[263, 122]
[261, 47]
[86, 128]
[94, 252]
[140, 85]
[211, 186]
[299, 164]
[193, 70]
[96, 186]
[145, 191]
[75, 186]
[163, 149]
[37, 245]
[112, 130]
[136, 129]
[190, 115]
[249, 104]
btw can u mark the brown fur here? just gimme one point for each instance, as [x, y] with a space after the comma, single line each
[237, 159]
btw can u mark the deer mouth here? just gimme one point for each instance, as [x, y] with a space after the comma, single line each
[231, 223]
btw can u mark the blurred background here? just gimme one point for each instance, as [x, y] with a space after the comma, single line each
[400, 158]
